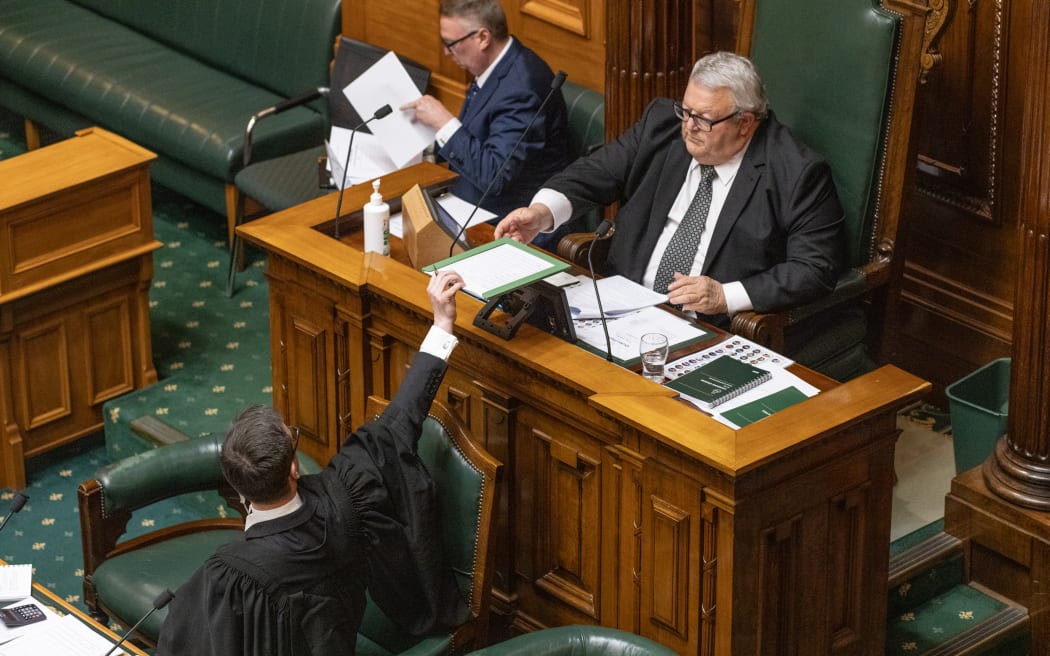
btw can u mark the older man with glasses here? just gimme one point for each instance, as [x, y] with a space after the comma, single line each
[510, 83]
[721, 207]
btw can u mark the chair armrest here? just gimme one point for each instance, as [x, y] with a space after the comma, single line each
[575, 247]
[768, 329]
[273, 110]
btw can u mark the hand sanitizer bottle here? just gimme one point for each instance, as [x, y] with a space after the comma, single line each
[377, 223]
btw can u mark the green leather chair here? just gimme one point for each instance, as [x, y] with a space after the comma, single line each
[468, 481]
[121, 579]
[576, 640]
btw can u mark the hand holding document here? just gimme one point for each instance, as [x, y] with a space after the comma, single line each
[387, 82]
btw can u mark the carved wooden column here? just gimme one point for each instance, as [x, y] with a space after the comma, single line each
[649, 52]
[1019, 469]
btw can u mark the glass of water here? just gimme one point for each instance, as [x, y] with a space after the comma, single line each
[653, 348]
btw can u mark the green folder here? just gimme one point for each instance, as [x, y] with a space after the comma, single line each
[719, 380]
[761, 408]
[488, 279]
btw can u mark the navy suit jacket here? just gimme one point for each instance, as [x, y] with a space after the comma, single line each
[780, 232]
[494, 121]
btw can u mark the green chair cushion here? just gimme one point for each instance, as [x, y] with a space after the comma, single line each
[577, 641]
[283, 182]
[129, 583]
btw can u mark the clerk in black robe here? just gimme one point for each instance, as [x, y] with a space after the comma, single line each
[295, 582]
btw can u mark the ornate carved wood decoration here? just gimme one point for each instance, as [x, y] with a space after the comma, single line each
[571, 16]
[961, 107]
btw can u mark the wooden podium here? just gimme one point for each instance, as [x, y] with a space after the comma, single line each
[624, 507]
[76, 231]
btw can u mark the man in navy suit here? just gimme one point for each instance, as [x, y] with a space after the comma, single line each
[510, 83]
[771, 235]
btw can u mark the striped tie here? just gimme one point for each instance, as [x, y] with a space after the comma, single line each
[681, 250]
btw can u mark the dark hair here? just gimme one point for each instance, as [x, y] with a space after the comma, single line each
[257, 455]
[480, 13]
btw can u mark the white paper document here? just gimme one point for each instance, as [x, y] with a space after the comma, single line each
[16, 581]
[387, 83]
[498, 267]
[66, 636]
[626, 330]
[460, 210]
[7, 634]
[368, 158]
[619, 296]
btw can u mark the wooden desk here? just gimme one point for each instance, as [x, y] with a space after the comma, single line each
[76, 237]
[623, 507]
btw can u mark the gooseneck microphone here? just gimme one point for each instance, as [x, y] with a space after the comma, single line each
[162, 600]
[379, 113]
[16, 504]
[556, 83]
[600, 232]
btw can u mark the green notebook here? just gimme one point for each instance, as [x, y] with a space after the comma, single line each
[719, 380]
[761, 408]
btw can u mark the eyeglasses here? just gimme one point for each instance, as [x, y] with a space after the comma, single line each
[449, 45]
[295, 437]
[699, 122]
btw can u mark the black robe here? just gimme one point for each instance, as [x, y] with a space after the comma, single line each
[296, 584]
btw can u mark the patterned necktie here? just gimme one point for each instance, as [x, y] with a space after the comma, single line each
[681, 250]
[472, 91]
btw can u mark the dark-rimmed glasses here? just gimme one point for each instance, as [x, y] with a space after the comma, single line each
[295, 437]
[449, 45]
[699, 122]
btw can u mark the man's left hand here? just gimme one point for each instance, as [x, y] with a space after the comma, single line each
[700, 294]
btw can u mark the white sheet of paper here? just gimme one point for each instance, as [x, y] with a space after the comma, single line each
[619, 296]
[461, 209]
[67, 636]
[368, 159]
[8, 634]
[387, 82]
[625, 331]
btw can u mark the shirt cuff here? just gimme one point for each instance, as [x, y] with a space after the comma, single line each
[559, 205]
[737, 299]
[446, 131]
[439, 343]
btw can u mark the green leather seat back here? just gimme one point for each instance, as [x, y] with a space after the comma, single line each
[277, 44]
[577, 641]
[828, 69]
[459, 490]
[586, 116]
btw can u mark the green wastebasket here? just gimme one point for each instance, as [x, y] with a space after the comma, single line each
[979, 405]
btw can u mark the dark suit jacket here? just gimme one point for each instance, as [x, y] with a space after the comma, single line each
[780, 232]
[494, 121]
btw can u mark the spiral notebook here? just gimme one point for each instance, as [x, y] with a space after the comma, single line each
[719, 380]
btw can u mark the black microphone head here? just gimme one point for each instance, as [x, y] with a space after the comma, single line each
[602, 229]
[382, 111]
[163, 599]
[559, 79]
[19, 501]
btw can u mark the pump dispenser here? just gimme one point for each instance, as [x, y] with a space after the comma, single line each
[377, 223]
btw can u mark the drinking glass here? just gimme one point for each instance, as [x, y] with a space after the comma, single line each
[653, 348]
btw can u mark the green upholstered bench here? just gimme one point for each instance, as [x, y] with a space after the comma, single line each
[121, 579]
[179, 78]
[577, 640]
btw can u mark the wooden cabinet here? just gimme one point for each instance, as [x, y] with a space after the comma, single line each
[76, 232]
[622, 506]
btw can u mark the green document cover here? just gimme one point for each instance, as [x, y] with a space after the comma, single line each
[499, 267]
[761, 408]
[719, 380]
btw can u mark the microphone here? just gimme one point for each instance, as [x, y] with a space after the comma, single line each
[16, 505]
[556, 83]
[600, 232]
[379, 113]
[162, 600]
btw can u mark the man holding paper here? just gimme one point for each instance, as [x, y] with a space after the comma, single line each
[722, 207]
[510, 83]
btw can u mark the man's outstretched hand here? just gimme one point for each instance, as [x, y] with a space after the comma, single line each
[442, 290]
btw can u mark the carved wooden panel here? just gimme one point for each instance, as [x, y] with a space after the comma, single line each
[779, 566]
[848, 533]
[45, 373]
[310, 359]
[108, 342]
